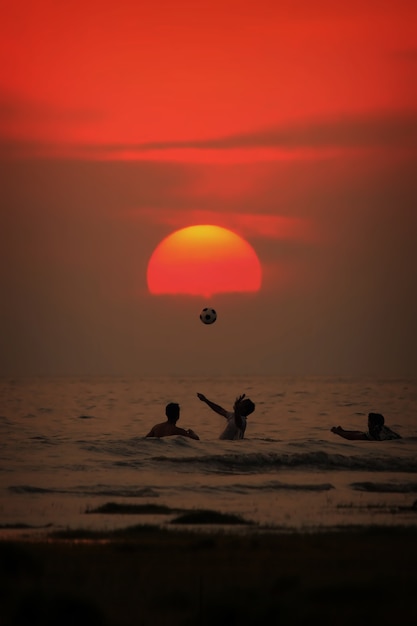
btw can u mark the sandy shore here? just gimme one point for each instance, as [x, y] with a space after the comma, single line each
[155, 577]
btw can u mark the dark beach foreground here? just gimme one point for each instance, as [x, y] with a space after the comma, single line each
[156, 577]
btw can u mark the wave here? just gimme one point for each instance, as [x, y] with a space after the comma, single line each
[154, 492]
[372, 487]
[272, 485]
[97, 490]
[316, 460]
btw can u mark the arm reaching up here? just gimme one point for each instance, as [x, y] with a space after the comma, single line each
[215, 407]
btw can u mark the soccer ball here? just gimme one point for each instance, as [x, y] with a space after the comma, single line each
[208, 315]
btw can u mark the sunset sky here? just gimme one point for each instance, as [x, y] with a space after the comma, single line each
[291, 123]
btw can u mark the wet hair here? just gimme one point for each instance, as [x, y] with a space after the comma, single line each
[172, 411]
[376, 419]
[247, 407]
[375, 423]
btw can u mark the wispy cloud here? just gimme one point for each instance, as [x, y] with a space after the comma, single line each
[27, 125]
[263, 225]
[392, 129]
[307, 139]
[18, 110]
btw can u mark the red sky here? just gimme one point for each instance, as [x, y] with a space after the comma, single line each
[293, 123]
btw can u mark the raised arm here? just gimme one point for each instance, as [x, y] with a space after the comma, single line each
[215, 407]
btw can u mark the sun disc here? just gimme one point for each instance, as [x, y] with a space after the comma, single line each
[203, 260]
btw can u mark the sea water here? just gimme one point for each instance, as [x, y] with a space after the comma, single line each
[70, 445]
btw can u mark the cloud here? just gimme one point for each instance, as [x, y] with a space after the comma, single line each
[26, 126]
[254, 224]
[350, 131]
[15, 109]
[304, 140]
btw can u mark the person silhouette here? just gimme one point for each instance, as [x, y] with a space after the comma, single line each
[236, 419]
[377, 431]
[168, 428]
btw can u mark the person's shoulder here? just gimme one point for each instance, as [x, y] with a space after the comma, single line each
[179, 431]
[157, 430]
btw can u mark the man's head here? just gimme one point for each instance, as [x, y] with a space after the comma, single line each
[375, 419]
[172, 411]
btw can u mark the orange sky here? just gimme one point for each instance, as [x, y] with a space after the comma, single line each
[293, 123]
[129, 73]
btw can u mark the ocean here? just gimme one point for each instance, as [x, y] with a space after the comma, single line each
[73, 454]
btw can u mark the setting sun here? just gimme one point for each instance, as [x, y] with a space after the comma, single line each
[203, 260]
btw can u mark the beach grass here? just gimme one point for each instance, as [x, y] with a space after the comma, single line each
[143, 576]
